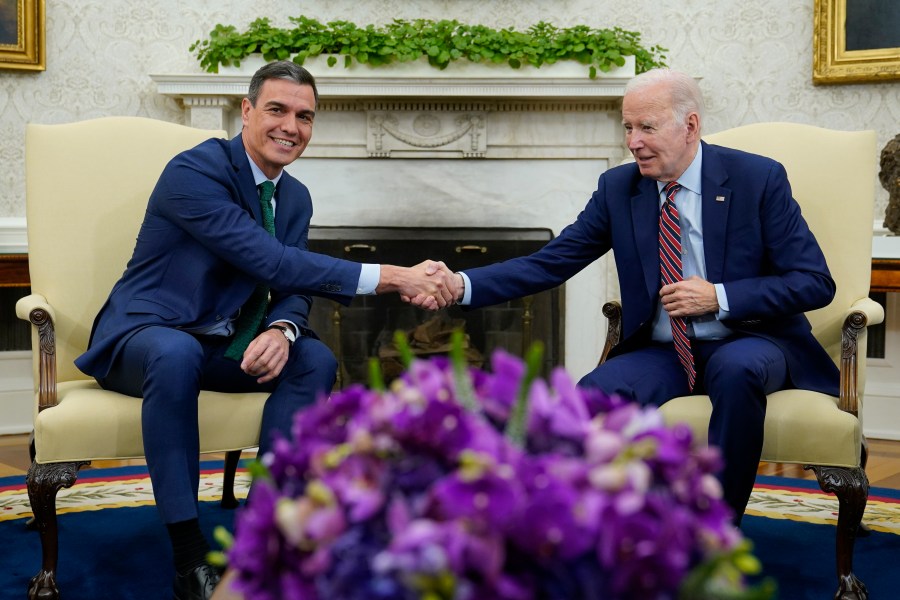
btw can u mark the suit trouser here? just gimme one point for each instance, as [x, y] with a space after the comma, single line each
[736, 373]
[168, 367]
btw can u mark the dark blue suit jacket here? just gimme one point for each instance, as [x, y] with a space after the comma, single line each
[755, 242]
[202, 249]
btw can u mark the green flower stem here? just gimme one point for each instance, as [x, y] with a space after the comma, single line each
[376, 377]
[464, 391]
[516, 426]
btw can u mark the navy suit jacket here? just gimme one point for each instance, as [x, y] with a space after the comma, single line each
[202, 249]
[756, 243]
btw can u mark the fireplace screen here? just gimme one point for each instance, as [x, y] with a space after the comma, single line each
[366, 328]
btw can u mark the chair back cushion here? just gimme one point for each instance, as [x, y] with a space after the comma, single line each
[86, 190]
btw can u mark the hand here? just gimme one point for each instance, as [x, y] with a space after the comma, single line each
[266, 355]
[429, 284]
[689, 298]
[454, 282]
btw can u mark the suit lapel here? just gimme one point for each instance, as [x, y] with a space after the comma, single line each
[716, 202]
[645, 220]
[241, 165]
[285, 212]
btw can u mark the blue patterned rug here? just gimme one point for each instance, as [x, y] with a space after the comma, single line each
[123, 553]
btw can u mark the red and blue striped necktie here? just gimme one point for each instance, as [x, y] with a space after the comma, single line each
[670, 269]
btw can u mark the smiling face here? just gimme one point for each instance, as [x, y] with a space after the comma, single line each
[662, 147]
[277, 130]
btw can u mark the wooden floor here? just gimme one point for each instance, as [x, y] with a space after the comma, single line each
[883, 468]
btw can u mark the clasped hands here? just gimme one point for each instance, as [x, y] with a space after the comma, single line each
[430, 284]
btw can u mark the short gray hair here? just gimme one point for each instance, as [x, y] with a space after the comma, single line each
[686, 94]
[281, 69]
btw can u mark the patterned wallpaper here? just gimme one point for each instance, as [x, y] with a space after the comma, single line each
[754, 59]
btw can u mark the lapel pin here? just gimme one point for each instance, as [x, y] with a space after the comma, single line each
[720, 198]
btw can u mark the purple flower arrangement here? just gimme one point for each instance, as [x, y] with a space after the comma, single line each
[460, 484]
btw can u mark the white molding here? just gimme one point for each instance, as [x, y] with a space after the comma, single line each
[881, 413]
[16, 392]
[13, 236]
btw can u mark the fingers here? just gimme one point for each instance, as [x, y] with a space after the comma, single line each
[689, 298]
[266, 356]
[430, 279]
[448, 280]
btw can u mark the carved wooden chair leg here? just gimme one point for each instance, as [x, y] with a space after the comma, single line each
[851, 486]
[864, 530]
[32, 452]
[231, 463]
[44, 481]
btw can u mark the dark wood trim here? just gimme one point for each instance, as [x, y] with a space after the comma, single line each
[14, 270]
[885, 275]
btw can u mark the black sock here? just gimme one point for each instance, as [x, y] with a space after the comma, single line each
[189, 545]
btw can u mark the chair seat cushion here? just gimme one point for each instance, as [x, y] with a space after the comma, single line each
[800, 425]
[90, 423]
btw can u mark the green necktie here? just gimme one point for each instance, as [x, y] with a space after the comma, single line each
[251, 316]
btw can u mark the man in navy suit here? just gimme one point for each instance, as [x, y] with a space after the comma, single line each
[167, 328]
[749, 268]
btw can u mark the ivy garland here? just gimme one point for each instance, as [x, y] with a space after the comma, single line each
[442, 42]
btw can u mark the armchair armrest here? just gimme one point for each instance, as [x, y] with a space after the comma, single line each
[35, 309]
[873, 312]
[25, 305]
[612, 310]
[862, 313]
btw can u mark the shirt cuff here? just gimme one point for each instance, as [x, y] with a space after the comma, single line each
[467, 293]
[722, 298]
[369, 276]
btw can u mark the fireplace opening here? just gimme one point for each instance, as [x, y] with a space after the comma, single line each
[366, 328]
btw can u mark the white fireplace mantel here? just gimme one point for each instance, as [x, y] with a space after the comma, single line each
[415, 108]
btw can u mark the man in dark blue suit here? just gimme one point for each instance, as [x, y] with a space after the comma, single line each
[729, 321]
[168, 328]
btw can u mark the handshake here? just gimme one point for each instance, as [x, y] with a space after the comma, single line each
[429, 284]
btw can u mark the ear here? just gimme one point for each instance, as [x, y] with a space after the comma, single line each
[692, 127]
[245, 110]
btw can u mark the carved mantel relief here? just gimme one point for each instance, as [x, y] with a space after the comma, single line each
[443, 134]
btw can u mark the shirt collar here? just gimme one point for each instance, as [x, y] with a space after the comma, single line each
[692, 176]
[259, 176]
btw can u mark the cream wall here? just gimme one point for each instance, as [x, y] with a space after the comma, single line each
[754, 59]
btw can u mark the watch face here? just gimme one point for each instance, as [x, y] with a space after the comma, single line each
[289, 335]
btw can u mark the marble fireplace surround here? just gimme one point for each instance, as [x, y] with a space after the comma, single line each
[428, 148]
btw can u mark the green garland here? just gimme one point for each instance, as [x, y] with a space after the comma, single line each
[442, 42]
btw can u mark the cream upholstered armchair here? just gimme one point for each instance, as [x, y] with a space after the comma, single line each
[832, 174]
[87, 186]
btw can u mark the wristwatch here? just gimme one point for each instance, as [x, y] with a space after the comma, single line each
[287, 331]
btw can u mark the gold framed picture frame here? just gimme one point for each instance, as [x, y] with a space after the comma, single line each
[856, 41]
[22, 35]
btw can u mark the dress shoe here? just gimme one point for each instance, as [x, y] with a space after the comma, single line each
[197, 584]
